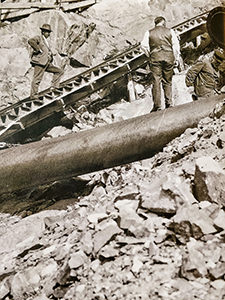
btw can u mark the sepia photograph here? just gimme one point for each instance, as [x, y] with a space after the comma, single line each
[112, 150]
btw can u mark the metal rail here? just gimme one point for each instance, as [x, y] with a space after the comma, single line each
[25, 113]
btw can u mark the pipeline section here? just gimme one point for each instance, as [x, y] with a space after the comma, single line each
[75, 154]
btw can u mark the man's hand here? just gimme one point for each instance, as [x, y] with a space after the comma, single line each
[179, 64]
[38, 52]
[176, 64]
[190, 90]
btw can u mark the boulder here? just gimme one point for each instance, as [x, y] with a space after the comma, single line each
[77, 259]
[193, 263]
[209, 181]
[107, 231]
[191, 222]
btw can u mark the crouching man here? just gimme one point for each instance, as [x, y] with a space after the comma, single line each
[205, 76]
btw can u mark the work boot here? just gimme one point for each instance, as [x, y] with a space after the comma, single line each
[156, 109]
[34, 97]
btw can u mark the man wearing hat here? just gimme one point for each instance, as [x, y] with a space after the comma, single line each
[206, 75]
[41, 60]
[162, 47]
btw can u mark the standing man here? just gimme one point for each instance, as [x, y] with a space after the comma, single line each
[162, 47]
[41, 60]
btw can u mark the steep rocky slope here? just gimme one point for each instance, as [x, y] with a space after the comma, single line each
[153, 229]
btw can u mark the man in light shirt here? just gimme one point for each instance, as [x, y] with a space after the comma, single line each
[162, 47]
[41, 60]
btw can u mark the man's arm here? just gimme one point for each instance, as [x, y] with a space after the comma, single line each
[35, 43]
[192, 73]
[145, 44]
[175, 46]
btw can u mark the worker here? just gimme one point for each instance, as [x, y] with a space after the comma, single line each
[41, 60]
[162, 47]
[206, 75]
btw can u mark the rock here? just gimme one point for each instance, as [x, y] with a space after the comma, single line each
[26, 233]
[58, 131]
[87, 243]
[153, 199]
[159, 259]
[129, 218]
[95, 265]
[152, 248]
[218, 271]
[47, 269]
[77, 260]
[129, 240]
[219, 221]
[108, 252]
[108, 230]
[96, 217]
[181, 284]
[193, 263]
[177, 189]
[194, 222]
[157, 203]
[218, 284]
[41, 297]
[61, 252]
[211, 210]
[129, 192]
[219, 110]
[98, 192]
[80, 288]
[209, 181]
[221, 140]
[137, 265]
[161, 235]
[24, 282]
[166, 195]
[123, 205]
[4, 288]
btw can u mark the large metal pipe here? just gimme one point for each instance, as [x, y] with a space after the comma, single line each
[92, 150]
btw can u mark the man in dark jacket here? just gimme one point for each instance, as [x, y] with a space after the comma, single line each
[206, 76]
[162, 47]
[41, 60]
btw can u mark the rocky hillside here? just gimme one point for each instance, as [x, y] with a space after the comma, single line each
[153, 229]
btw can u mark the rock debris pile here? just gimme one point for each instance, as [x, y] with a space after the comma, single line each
[152, 229]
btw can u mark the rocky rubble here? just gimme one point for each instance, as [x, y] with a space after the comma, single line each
[152, 229]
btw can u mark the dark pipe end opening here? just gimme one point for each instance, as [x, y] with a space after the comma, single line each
[216, 25]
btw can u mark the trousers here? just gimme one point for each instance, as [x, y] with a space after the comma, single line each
[38, 75]
[162, 74]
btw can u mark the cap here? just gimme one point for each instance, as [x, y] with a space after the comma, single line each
[219, 55]
[46, 27]
[159, 20]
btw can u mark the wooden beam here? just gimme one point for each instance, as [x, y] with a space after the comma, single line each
[64, 1]
[19, 13]
[80, 4]
[26, 5]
